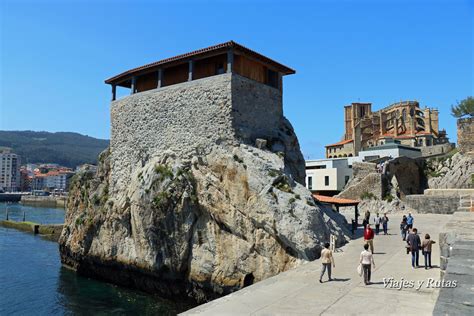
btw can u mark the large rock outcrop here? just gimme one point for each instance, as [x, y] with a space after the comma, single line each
[196, 222]
[456, 172]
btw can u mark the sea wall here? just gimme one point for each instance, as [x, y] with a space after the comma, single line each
[51, 231]
[45, 201]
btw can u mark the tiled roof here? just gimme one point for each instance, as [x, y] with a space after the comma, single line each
[334, 200]
[342, 142]
[231, 44]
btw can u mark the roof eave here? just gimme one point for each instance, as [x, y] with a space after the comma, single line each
[183, 57]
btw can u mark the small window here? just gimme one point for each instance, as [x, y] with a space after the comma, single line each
[310, 183]
[272, 78]
[326, 180]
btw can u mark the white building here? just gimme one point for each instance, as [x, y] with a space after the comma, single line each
[52, 180]
[391, 149]
[327, 175]
[9, 170]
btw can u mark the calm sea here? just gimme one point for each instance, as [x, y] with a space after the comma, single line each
[33, 282]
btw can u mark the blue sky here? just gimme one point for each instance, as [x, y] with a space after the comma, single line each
[55, 56]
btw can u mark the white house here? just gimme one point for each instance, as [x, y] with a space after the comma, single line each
[327, 175]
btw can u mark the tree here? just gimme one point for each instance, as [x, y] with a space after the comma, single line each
[463, 108]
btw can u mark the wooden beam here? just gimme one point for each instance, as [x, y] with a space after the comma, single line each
[160, 78]
[190, 70]
[230, 60]
[134, 81]
[114, 92]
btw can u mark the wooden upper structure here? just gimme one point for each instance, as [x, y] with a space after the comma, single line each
[214, 60]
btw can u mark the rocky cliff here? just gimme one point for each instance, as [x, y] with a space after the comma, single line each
[199, 224]
[456, 172]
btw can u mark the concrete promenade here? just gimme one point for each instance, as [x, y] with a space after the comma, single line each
[298, 291]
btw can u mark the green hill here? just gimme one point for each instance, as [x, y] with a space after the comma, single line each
[67, 149]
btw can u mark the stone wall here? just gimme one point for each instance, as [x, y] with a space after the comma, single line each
[256, 109]
[188, 119]
[456, 256]
[432, 204]
[466, 134]
[436, 150]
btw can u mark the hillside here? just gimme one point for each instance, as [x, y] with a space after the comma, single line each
[67, 149]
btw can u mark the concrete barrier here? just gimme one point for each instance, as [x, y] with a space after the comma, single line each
[46, 201]
[441, 201]
[456, 245]
[52, 231]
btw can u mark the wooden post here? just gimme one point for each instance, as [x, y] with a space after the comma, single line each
[230, 60]
[190, 70]
[134, 81]
[160, 78]
[114, 92]
[356, 215]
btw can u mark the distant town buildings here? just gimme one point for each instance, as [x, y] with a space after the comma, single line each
[404, 121]
[9, 170]
[51, 178]
[46, 177]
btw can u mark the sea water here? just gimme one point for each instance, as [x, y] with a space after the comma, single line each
[33, 282]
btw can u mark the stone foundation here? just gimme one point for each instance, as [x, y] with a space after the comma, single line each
[466, 135]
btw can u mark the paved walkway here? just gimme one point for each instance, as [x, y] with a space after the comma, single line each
[298, 291]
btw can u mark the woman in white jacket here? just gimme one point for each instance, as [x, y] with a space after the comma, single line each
[367, 260]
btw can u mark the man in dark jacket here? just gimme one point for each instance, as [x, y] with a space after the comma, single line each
[414, 243]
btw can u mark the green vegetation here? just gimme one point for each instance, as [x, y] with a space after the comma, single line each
[79, 220]
[297, 196]
[273, 173]
[67, 149]
[463, 108]
[368, 196]
[283, 185]
[160, 198]
[292, 200]
[164, 171]
[389, 198]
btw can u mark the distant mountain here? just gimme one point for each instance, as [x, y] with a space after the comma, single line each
[67, 149]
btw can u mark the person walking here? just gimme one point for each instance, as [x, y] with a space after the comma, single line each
[326, 259]
[367, 260]
[369, 237]
[404, 227]
[366, 218]
[414, 244]
[426, 250]
[377, 221]
[410, 220]
[385, 223]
